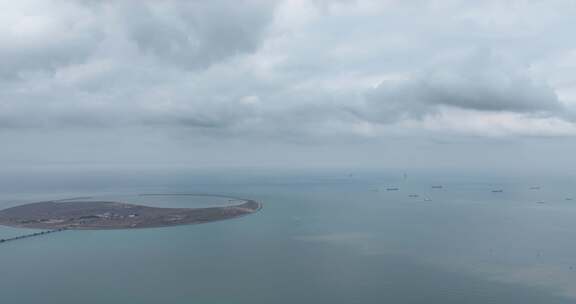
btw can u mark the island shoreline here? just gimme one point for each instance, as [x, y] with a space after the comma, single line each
[77, 214]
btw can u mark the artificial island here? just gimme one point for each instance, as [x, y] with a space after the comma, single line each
[90, 214]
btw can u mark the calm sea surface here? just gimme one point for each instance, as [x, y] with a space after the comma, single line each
[330, 237]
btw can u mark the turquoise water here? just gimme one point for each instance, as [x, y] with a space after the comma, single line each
[321, 238]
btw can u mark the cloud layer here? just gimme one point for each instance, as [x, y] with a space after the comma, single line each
[478, 82]
[289, 69]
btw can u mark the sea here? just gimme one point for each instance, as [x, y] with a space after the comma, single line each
[323, 236]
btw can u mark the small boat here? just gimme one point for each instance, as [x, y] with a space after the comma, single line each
[540, 202]
[392, 189]
[497, 191]
[413, 195]
[535, 188]
[427, 199]
[437, 187]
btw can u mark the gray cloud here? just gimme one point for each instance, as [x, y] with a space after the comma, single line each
[48, 35]
[279, 69]
[118, 63]
[480, 81]
[195, 33]
[41, 36]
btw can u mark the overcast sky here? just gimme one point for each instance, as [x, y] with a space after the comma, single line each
[288, 83]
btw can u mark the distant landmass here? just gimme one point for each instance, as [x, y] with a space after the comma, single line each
[85, 214]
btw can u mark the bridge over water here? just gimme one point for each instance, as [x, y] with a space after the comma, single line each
[25, 236]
